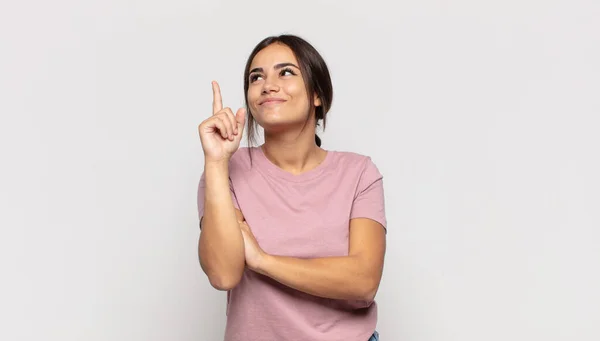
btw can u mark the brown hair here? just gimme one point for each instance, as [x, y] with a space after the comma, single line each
[314, 72]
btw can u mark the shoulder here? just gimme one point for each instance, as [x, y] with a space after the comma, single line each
[240, 162]
[241, 156]
[351, 161]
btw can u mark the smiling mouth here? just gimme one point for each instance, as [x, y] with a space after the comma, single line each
[272, 102]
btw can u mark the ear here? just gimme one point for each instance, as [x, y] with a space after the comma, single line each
[317, 101]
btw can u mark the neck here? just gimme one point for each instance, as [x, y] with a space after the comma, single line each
[292, 152]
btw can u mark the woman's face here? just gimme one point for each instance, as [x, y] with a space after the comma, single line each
[276, 91]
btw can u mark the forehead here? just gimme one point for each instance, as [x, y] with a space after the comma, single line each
[272, 55]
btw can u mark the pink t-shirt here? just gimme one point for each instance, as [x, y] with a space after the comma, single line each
[304, 216]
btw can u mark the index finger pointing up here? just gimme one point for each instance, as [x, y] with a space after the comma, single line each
[217, 101]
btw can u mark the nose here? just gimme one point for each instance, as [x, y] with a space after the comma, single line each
[269, 87]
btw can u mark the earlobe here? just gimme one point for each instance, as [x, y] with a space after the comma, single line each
[317, 102]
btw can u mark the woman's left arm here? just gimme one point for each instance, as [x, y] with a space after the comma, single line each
[353, 277]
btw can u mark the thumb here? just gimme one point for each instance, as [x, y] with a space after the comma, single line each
[240, 118]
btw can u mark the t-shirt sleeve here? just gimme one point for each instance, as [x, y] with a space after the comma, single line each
[369, 201]
[201, 198]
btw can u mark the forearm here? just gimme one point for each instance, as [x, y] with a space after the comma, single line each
[221, 246]
[346, 277]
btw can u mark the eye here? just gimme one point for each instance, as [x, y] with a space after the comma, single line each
[254, 77]
[287, 70]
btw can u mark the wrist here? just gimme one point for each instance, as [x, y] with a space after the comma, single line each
[264, 264]
[216, 164]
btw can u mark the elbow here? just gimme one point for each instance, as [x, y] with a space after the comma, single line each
[224, 283]
[223, 274]
[222, 279]
[369, 290]
[368, 296]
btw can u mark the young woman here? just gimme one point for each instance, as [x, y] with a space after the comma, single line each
[294, 233]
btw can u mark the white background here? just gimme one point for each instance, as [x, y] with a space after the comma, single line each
[482, 116]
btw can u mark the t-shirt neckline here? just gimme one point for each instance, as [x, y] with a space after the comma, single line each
[275, 170]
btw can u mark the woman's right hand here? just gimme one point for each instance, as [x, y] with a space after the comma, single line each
[221, 133]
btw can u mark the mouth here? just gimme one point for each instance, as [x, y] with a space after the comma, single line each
[272, 101]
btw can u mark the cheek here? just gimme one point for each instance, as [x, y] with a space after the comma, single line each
[295, 89]
[253, 95]
[298, 93]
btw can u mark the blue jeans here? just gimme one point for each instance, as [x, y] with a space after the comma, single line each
[374, 337]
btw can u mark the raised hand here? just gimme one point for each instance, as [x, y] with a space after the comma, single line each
[221, 133]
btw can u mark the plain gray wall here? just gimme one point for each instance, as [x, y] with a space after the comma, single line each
[482, 116]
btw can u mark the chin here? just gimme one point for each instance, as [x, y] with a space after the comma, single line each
[273, 125]
[278, 124]
[273, 119]
[270, 117]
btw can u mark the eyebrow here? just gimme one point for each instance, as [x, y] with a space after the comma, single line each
[277, 66]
